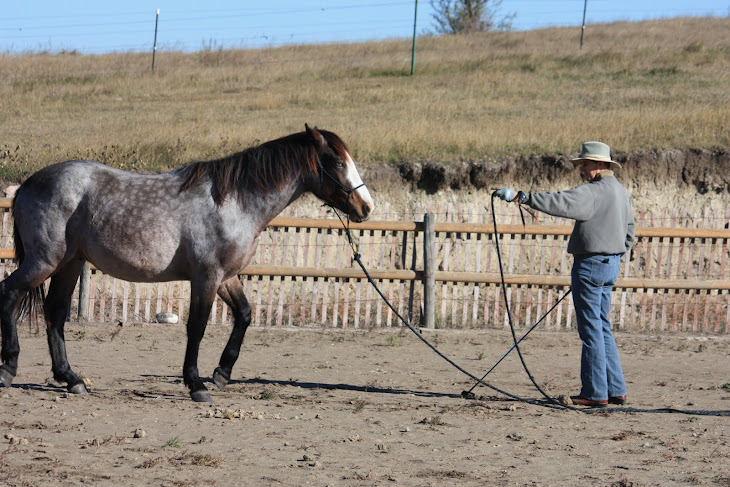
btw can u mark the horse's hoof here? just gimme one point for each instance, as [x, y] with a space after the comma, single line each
[79, 388]
[220, 380]
[201, 396]
[6, 378]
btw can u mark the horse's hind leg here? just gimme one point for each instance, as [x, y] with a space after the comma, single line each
[10, 297]
[58, 304]
[12, 291]
[232, 293]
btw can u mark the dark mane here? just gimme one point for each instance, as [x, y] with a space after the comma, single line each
[260, 169]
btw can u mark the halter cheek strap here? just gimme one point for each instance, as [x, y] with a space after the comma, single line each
[347, 190]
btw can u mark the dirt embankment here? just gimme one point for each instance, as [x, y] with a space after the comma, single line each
[694, 179]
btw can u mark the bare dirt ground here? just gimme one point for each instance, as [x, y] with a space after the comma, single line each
[358, 408]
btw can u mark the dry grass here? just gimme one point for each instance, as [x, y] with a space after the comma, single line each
[651, 85]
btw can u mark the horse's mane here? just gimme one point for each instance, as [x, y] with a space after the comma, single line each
[260, 169]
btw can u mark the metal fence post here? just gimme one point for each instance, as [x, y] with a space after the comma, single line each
[154, 45]
[429, 268]
[413, 48]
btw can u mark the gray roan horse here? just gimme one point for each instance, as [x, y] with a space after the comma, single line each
[197, 223]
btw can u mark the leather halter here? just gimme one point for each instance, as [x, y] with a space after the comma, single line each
[347, 190]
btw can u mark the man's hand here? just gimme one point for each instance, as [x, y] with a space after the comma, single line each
[505, 194]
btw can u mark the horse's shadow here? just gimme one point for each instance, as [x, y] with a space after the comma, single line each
[345, 387]
[100, 391]
[151, 378]
[175, 380]
[35, 387]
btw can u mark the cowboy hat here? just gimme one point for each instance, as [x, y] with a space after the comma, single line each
[596, 151]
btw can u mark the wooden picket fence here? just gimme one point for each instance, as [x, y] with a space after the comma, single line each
[676, 279]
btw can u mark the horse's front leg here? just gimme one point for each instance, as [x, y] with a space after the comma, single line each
[201, 302]
[232, 293]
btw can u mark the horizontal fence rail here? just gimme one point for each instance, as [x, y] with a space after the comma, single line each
[303, 274]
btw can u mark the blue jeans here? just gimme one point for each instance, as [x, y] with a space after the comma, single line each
[592, 279]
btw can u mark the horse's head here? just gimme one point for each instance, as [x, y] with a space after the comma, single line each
[339, 183]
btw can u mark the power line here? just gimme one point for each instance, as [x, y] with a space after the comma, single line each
[264, 26]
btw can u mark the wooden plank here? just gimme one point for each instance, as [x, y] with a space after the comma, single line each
[477, 267]
[511, 251]
[468, 256]
[722, 272]
[706, 267]
[148, 302]
[640, 268]
[92, 295]
[137, 299]
[125, 300]
[652, 267]
[381, 258]
[517, 229]
[271, 283]
[7, 230]
[358, 289]
[337, 298]
[692, 271]
[114, 300]
[316, 283]
[660, 265]
[329, 243]
[303, 295]
[369, 246]
[395, 287]
[294, 285]
[346, 289]
[285, 284]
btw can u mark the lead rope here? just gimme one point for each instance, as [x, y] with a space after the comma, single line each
[551, 403]
[356, 256]
[509, 314]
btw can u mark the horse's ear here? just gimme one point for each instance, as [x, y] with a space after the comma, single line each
[315, 134]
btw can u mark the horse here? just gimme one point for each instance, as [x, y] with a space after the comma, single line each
[197, 223]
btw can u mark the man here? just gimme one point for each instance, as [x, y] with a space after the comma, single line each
[603, 231]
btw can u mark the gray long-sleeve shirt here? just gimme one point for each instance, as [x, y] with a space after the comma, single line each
[604, 221]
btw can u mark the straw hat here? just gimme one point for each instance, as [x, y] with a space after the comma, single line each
[596, 151]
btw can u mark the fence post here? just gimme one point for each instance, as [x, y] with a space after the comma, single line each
[413, 48]
[154, 45]
[84, 286]
[429, 268]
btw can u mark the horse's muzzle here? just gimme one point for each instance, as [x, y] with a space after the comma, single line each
[361, 213]
[361, 205]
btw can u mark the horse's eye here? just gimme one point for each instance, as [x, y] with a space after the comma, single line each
[339, 164]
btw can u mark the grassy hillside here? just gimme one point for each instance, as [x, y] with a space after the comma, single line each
[650, 85]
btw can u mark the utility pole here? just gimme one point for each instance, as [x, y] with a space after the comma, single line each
[583, 28]
[413, 49]
[154, 45]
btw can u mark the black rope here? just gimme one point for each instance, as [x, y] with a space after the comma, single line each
[509, 313]
[549, 402]
[521, 338]
[356, 255]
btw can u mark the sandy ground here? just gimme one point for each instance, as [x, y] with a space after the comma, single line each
[341, 408]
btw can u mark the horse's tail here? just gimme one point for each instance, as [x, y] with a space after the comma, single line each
[33, 302]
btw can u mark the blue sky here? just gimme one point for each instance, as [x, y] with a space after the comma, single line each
[99, 27]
